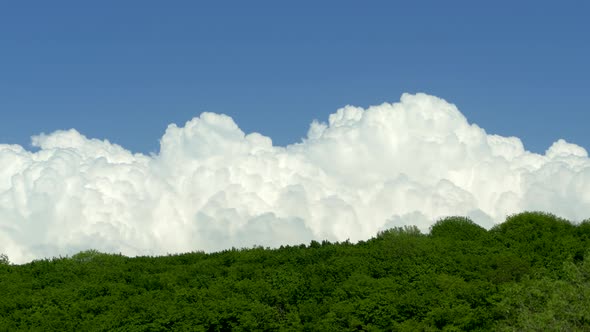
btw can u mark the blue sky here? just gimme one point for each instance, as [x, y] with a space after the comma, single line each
[124, 70]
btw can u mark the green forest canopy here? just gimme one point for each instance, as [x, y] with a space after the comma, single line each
[531, 272]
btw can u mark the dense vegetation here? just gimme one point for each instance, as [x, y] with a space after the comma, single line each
[531, 273]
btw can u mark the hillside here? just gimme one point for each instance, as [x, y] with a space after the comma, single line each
[531, 272]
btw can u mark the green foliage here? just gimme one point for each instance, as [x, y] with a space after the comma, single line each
[542, 239]
[457, 228]
[547, 304]
[530, 273]
[4, 259]
[409, 231]
[87, 256]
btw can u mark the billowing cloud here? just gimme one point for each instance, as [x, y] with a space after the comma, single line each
[213, 187]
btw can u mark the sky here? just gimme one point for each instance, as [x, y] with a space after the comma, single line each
[144, 127]
[123, 71]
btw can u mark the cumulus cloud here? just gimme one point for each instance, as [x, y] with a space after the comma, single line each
[212, 187]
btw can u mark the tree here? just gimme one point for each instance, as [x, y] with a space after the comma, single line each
[457, 228]
[4, 260]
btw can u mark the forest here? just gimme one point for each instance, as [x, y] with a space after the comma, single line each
[530, 273]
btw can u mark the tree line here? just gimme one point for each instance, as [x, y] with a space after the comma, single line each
[530, 273]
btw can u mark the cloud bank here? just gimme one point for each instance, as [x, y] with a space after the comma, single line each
[212, 187]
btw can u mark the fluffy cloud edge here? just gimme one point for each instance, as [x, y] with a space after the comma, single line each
[212, 186]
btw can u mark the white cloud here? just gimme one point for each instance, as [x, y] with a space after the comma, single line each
[213, 187]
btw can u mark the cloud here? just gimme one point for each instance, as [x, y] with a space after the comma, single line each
[212, 186]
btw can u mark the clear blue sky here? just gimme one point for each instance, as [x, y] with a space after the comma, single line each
[124, 70]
